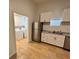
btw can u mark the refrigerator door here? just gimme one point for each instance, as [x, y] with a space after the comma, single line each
[36, 25]
[36, 32]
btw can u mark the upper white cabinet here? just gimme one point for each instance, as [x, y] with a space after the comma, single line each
[66, 14]
[46, 16]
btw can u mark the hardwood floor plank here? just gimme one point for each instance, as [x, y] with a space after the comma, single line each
[36, 50]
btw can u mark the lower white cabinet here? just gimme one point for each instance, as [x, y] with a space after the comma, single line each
[53, 39]
[19, 35]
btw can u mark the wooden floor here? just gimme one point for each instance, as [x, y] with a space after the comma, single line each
[36, 50]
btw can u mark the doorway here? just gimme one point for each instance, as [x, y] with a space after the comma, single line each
[21, 32]
[21, 26]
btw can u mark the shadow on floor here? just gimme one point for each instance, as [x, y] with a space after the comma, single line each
[14, 56]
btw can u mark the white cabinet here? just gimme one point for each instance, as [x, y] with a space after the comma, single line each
[53, 39]
[45, 17]
[67, 14]
[19, 35]
[59, 40]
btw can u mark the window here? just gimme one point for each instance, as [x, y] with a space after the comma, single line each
[55, 22]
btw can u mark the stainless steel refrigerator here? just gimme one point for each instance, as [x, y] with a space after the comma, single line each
[37, 28]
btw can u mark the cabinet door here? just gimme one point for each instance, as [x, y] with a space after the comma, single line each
[19, 35]
[67, 43]
[42, 17]
[50, 38]
[59, 40]
[67, 14]
[44, 37]
[45, 17]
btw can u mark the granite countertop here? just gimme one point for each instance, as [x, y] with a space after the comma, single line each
[57, 32]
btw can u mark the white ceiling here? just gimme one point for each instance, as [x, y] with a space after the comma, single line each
[43, 1]
[40, 1]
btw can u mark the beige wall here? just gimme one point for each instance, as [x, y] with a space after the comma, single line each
[23, 7]
[55, 6]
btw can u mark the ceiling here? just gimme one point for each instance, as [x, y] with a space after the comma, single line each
[43, 1]
[40, 1]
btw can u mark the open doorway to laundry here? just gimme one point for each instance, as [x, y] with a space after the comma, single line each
[21, 33]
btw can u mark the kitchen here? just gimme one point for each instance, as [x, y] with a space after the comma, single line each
[48, 29]
[53, 30]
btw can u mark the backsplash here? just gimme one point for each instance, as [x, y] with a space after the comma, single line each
[63, 28]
